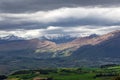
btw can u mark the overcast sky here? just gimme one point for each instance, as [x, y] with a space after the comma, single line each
[35, 18]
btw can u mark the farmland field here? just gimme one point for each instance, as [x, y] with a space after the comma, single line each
[104, 73]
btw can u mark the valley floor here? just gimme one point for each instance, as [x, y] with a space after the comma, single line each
[103, 73]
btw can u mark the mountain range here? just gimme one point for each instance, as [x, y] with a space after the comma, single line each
[92, 50]
[11, 37]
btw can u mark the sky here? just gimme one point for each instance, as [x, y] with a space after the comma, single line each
[36, 18]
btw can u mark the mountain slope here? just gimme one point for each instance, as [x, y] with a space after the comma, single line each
[60, 50]
[86, 51]
[25, 44]
[108, 48]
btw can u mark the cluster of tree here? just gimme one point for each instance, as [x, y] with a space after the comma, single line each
[2, 77]
[108, 65]
[105, 75]
[41, 71]
[47, 71]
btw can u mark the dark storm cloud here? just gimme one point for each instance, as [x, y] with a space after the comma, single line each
[9, 24]
[83, 22]
[16, 6]
[41, 14]
[4, 25]
[35, 18]
[63, 17]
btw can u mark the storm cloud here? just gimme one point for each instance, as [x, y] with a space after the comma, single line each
[65, 17]
[54, 17]
[20, 6]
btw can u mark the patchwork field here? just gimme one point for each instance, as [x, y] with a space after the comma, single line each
[103, 73]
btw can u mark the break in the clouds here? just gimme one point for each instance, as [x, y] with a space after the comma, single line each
[35, 18]
[55, 31]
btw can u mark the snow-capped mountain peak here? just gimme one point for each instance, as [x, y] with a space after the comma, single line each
[11, 37]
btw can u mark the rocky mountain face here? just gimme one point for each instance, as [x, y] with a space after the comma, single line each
[104, 46]
[14, 43]
[63, 49]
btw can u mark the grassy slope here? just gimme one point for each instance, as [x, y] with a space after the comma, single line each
[68, 74]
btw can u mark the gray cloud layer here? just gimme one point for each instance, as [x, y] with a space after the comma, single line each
[35, 17]
[64, 17]
[16, 6]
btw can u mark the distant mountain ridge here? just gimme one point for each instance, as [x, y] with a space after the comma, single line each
[57, 39]
[56, 50]
[11, 37]
[60, 39]
[85, 51]
[48, 49]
